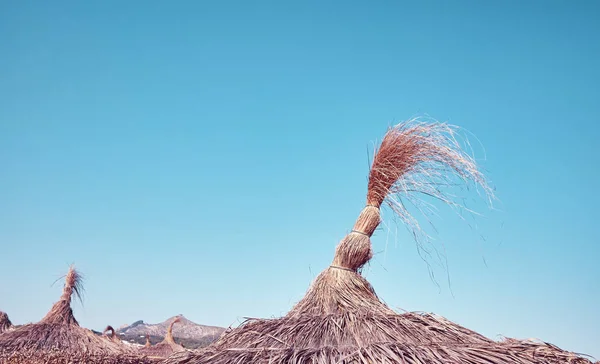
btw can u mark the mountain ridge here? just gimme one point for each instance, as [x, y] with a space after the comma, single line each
[186, 332]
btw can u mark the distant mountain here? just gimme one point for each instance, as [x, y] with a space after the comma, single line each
[190, 334]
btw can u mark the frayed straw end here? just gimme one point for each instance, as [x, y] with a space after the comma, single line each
[414, 158]
[418, 159]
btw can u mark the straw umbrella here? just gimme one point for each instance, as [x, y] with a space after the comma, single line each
[5, 323]
[58, 338]
[341, 319]
[165, 347]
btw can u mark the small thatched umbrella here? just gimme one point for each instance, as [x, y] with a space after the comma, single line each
[58, 338]
[166, 347]
[340, 319]
[5, 323]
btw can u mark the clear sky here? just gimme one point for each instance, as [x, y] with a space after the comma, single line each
[205, 158]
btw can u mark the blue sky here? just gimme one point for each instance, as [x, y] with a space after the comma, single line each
[205, 159]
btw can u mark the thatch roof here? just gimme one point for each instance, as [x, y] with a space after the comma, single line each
[545, 352]
[166, 347]
[5, 323]
[58, 338]
[341, 319]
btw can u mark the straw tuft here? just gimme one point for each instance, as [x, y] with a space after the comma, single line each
[5, 323]
[165, 347]
[113, 334]
[61, 312]
[414, 159]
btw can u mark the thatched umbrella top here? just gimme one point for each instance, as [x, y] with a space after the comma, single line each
[5, 323]
[112, 336]
[165, 347]
[58, 338]
[341, 319]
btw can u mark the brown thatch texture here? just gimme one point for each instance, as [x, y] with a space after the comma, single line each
[165, 348]
[340, 319]
[545, 352]
[56, 356]
[5, 323]
[58, 338]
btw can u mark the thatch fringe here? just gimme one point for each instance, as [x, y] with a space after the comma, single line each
[546, 352]
[340, 319]
[56, 356]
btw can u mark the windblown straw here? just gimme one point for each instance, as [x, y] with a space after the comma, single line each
[340, 319]
[413, 158]
[5, 323]
[61, 312]
[58, 338]
[165, 347]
